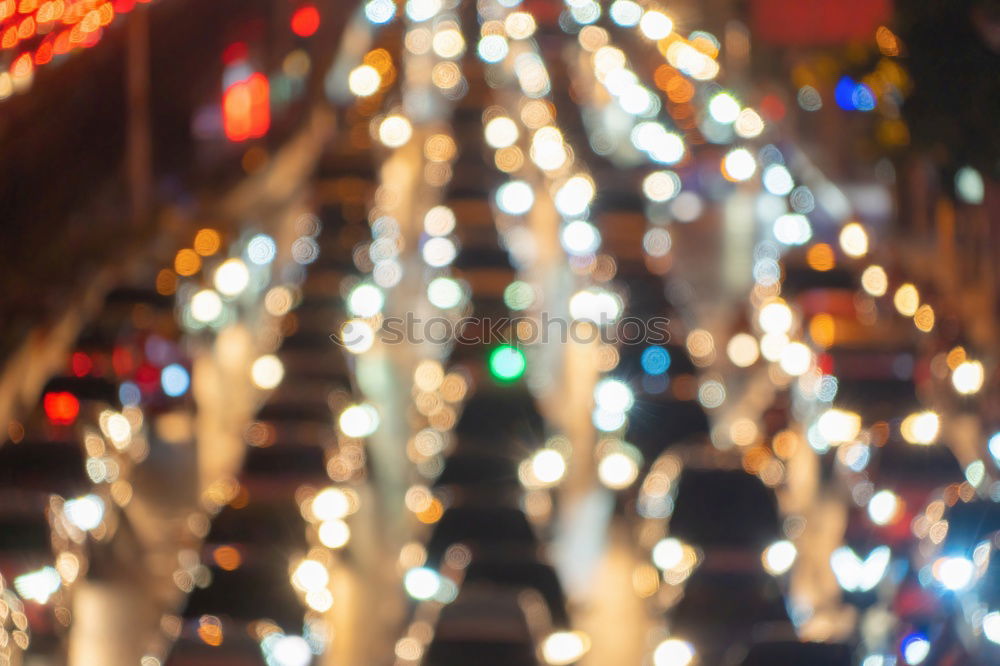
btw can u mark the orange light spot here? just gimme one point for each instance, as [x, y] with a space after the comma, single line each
[207, 242]
[822, 329]
[227, 557]
[785, 443]
[820, 257]
[241, 499]
[106, 13]
[887, 41]
[91, 22]
[924, 318]
[166, 282]
[45, 12]
[379, 59]
[9, 38]
[662, 76]
[432, 513]
[187, 262]
[260, 105]
[246, 111]
[955, 357]
[22, 67]
[26, 30]
[210, 633]
[680, 90]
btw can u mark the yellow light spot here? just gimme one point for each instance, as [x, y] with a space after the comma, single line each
[454, 387]
[395, 130]
[907, 300]
[419, 499]
[700, 343]
[968, 377]
[875, 281]
[439, 148]
[509, 159]
[854, 240]
[645, 580]
[743, 432]
[519, 25]
[446, 75]
[921, 428]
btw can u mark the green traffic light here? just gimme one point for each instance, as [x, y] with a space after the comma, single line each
[507, 363]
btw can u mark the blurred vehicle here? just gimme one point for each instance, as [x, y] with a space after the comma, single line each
[960, 577]
[792, 653]
[721, 555]
[500, 420]
[484, 625]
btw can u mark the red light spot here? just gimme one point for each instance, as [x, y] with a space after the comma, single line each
[772, 107]
[246, 110]
[121, 361]
[234, 52]
[825, 363]
[305, 21]
[44, 53]
[61, 407]
[147, 376]
[81, 364]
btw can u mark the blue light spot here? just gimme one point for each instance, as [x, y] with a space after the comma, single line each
[843, 94]
[175, 380]
[863, 98]
[655, 384]
[129, 394]
[655, 360]
[853, 96]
